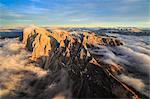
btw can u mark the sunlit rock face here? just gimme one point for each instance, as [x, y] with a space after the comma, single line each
[73, 71]
[40, 41]
[92, 38]
[36, 40]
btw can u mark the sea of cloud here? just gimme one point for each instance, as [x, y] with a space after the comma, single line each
[11, 53]
[15, 67]
[134, 57]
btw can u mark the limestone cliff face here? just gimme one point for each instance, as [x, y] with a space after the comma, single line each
[36, 40]
[92, 38]
[40, 41]
[68, 55]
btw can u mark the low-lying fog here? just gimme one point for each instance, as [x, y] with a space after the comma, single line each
[15, 69]
[134, 57]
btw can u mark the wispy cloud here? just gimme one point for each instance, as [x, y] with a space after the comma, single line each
[78, 11]
[78, 19]
[131, 1]
[34, 9]
[36, 0]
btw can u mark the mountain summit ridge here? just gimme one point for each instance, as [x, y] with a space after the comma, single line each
[64, 54]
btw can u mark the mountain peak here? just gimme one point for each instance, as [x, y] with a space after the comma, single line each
[62, 53]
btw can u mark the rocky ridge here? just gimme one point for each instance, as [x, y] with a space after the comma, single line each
[73, 71]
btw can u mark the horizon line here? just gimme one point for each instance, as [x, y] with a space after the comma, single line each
[78, 26]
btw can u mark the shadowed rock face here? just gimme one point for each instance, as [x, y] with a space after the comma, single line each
[73, 71]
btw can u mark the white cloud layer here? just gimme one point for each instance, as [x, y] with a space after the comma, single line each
[134, 57]
[134, 82]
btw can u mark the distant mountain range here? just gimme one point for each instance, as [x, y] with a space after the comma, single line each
[123, 31]
[17, 32]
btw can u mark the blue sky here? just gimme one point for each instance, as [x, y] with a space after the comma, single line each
[90, 13]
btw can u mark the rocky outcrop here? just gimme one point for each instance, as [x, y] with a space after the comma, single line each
[40, 41]
[73, 71]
